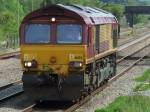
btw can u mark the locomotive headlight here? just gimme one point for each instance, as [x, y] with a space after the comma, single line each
[27, 64]
[30, 64]
[53, 19]
[76, 64]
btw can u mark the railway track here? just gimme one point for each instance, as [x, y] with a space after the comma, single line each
[129, 30]
[10, 84]
[6, 91]
[139, 54]
[130, 39]
[132, 35]
[130, 55]
[122, 47]
[10, 90]
[30, 108]
[9, 55]
[98, 90]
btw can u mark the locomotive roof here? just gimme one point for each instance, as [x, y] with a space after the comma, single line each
[87, 14]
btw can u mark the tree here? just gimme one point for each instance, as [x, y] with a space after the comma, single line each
[115, 9]
[30, 5]
[10, 17]
[92, 3]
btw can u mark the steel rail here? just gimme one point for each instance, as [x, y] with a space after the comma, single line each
[10, 96]
[129, 30]
[123, 58]
[6, 95]
[10, 84]
[133, 38]
[9, 55]
[122, 47]
[29, 108]
[128, 68]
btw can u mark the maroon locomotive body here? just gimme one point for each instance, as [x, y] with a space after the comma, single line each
[67, 51]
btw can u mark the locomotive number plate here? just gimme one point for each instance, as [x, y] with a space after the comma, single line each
[75, 57]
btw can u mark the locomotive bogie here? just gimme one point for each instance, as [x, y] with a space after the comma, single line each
[101, 70]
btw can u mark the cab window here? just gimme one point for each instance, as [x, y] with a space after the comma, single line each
[37, 33]
[69, 34]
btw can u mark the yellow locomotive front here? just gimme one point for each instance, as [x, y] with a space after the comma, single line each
[55, 59]
[52, 65]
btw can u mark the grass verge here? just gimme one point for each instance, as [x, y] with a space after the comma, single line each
[144, 77]
[134, 103]
[144, 81]
[142, 87]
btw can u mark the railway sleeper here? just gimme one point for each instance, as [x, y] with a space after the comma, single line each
[99, 72]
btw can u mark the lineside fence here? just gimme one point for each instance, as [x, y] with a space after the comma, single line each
[11, 41]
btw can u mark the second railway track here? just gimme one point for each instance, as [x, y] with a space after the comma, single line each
[10, 90]
[9, 55]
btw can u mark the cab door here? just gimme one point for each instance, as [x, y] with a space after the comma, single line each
[97, 39]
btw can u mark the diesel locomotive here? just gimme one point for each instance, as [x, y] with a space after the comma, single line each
[67, 51]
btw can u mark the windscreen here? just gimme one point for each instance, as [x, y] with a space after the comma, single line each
[37, 33]
[69, 34]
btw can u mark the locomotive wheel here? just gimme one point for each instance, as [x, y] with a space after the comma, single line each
[95, 86]
[90, 90]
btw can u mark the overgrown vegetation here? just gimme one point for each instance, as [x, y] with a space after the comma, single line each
[117, 10]
[91, 3]
[144, 77]
[135, 103]
[144, 81]
[142, 87]
[128, 2]
[9, 20]
[141, 19]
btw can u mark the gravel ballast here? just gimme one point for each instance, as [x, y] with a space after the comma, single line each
[10, 71]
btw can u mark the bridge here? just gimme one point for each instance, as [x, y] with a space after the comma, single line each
[130, 11]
